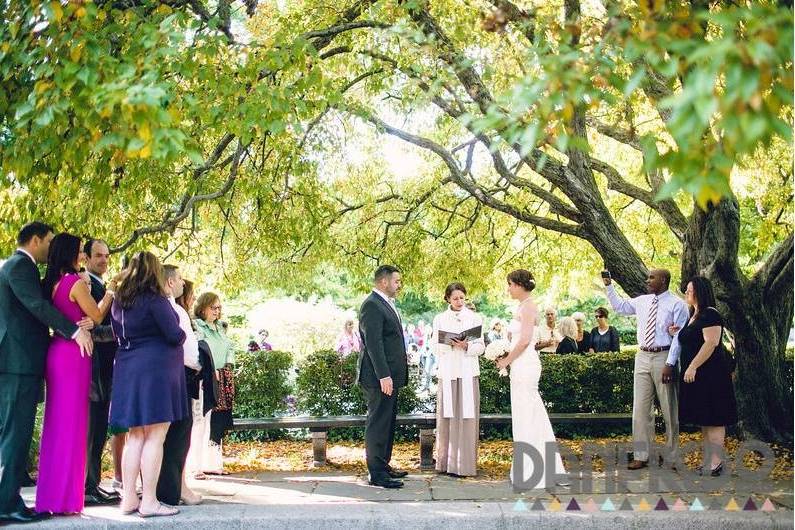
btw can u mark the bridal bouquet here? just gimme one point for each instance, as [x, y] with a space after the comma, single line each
[495, 350]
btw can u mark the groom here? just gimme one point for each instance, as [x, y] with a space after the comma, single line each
[382, 370]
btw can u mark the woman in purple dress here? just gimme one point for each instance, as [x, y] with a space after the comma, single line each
[149, 390]
[62, 457]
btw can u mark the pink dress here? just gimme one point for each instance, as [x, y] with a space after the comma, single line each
[62, 456]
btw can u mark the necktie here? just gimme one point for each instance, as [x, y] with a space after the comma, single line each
[651, 324]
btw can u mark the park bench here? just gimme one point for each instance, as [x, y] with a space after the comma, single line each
[319, 426]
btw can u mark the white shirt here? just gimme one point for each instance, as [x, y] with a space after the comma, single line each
[190, 347]
[544, 333]
[391, 303]
[455, 363]
[670, 310]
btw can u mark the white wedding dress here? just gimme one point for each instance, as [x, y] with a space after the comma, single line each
[529, 418]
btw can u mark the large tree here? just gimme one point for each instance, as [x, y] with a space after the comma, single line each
[165, 123]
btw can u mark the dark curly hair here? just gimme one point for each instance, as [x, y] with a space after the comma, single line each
[523, 278]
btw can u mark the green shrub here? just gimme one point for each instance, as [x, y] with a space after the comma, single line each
[262, 389]
[326, 386]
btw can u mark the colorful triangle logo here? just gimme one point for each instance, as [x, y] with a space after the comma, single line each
[750, 505]
[716, 504]
[732, 505]
[643, 506]
[554, 506]
[590, 506]
[538, 506]
[608, 506]
[679, 505]
[696, 506]
[573, 506]
[661, 506]
[519, 506]
[767, 506]
[626, 506]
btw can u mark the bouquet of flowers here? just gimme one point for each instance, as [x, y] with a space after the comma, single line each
[495, 350]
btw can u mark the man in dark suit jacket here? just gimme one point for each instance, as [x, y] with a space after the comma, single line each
[25, 319]
[98, 255]
[382, 371]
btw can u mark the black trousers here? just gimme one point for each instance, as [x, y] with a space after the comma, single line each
[379, 431]
[175, 454]
[97, 436]
[18, 397]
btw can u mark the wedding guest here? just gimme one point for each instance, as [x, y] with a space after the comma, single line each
[263, 340]
[654, 363]
[583, 337]
[568, 329]
[198, 453]
[171, 485]
[348, 342]
[64, 437]
[25, 318]
[706, 392]
[97, 257]
[148, 379]
[253, 346]
[458, 394]
[496, 332]
[210, 328]
[604, 337]
[547, 335]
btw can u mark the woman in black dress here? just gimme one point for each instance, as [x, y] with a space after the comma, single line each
[706, 393]
[604, 337]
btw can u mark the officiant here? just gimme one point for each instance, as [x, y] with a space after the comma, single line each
[457, 340]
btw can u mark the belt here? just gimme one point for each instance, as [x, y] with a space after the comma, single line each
[655, 349]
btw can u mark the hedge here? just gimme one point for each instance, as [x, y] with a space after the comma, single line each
[594, 383]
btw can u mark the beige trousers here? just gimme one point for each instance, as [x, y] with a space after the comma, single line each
[647, 384]
[457, 438]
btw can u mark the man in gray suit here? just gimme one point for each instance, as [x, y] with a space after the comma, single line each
[25, 319]
[382, 371]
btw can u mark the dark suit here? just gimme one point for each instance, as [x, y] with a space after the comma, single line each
[383, 355]
[25, 319]
[101, 378]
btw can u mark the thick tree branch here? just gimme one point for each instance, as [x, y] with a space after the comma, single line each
[172, 219]
[469, 185]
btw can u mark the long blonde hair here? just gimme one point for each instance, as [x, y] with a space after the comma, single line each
[568, 327]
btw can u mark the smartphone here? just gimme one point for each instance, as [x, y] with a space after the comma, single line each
[606, 274]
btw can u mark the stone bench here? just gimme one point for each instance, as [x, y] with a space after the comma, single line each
[319, 426]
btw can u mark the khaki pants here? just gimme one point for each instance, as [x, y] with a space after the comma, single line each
[647, 383]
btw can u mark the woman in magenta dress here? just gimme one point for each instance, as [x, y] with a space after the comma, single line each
[62, 456]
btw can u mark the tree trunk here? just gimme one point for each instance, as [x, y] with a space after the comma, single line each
[757, 313]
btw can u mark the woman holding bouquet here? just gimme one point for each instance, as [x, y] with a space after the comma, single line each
[458, 394]
[529, 418]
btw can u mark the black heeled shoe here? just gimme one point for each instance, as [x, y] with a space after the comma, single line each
[716, 472]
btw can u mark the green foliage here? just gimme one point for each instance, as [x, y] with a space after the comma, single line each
[326, 387]
[263, 389]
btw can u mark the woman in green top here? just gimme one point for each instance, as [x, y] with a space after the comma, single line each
[211, 329]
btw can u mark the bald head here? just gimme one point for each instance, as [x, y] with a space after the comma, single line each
[658, 281]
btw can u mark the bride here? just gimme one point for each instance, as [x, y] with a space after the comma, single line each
[529, 419]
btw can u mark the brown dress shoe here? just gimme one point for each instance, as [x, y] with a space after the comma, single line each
[637, 464]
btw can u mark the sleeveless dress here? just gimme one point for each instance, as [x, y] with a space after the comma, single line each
[62, 456]
[529, 418]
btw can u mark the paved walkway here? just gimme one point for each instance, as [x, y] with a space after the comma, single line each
[333, 500]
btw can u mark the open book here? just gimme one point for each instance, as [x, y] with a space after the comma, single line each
[447, 337]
